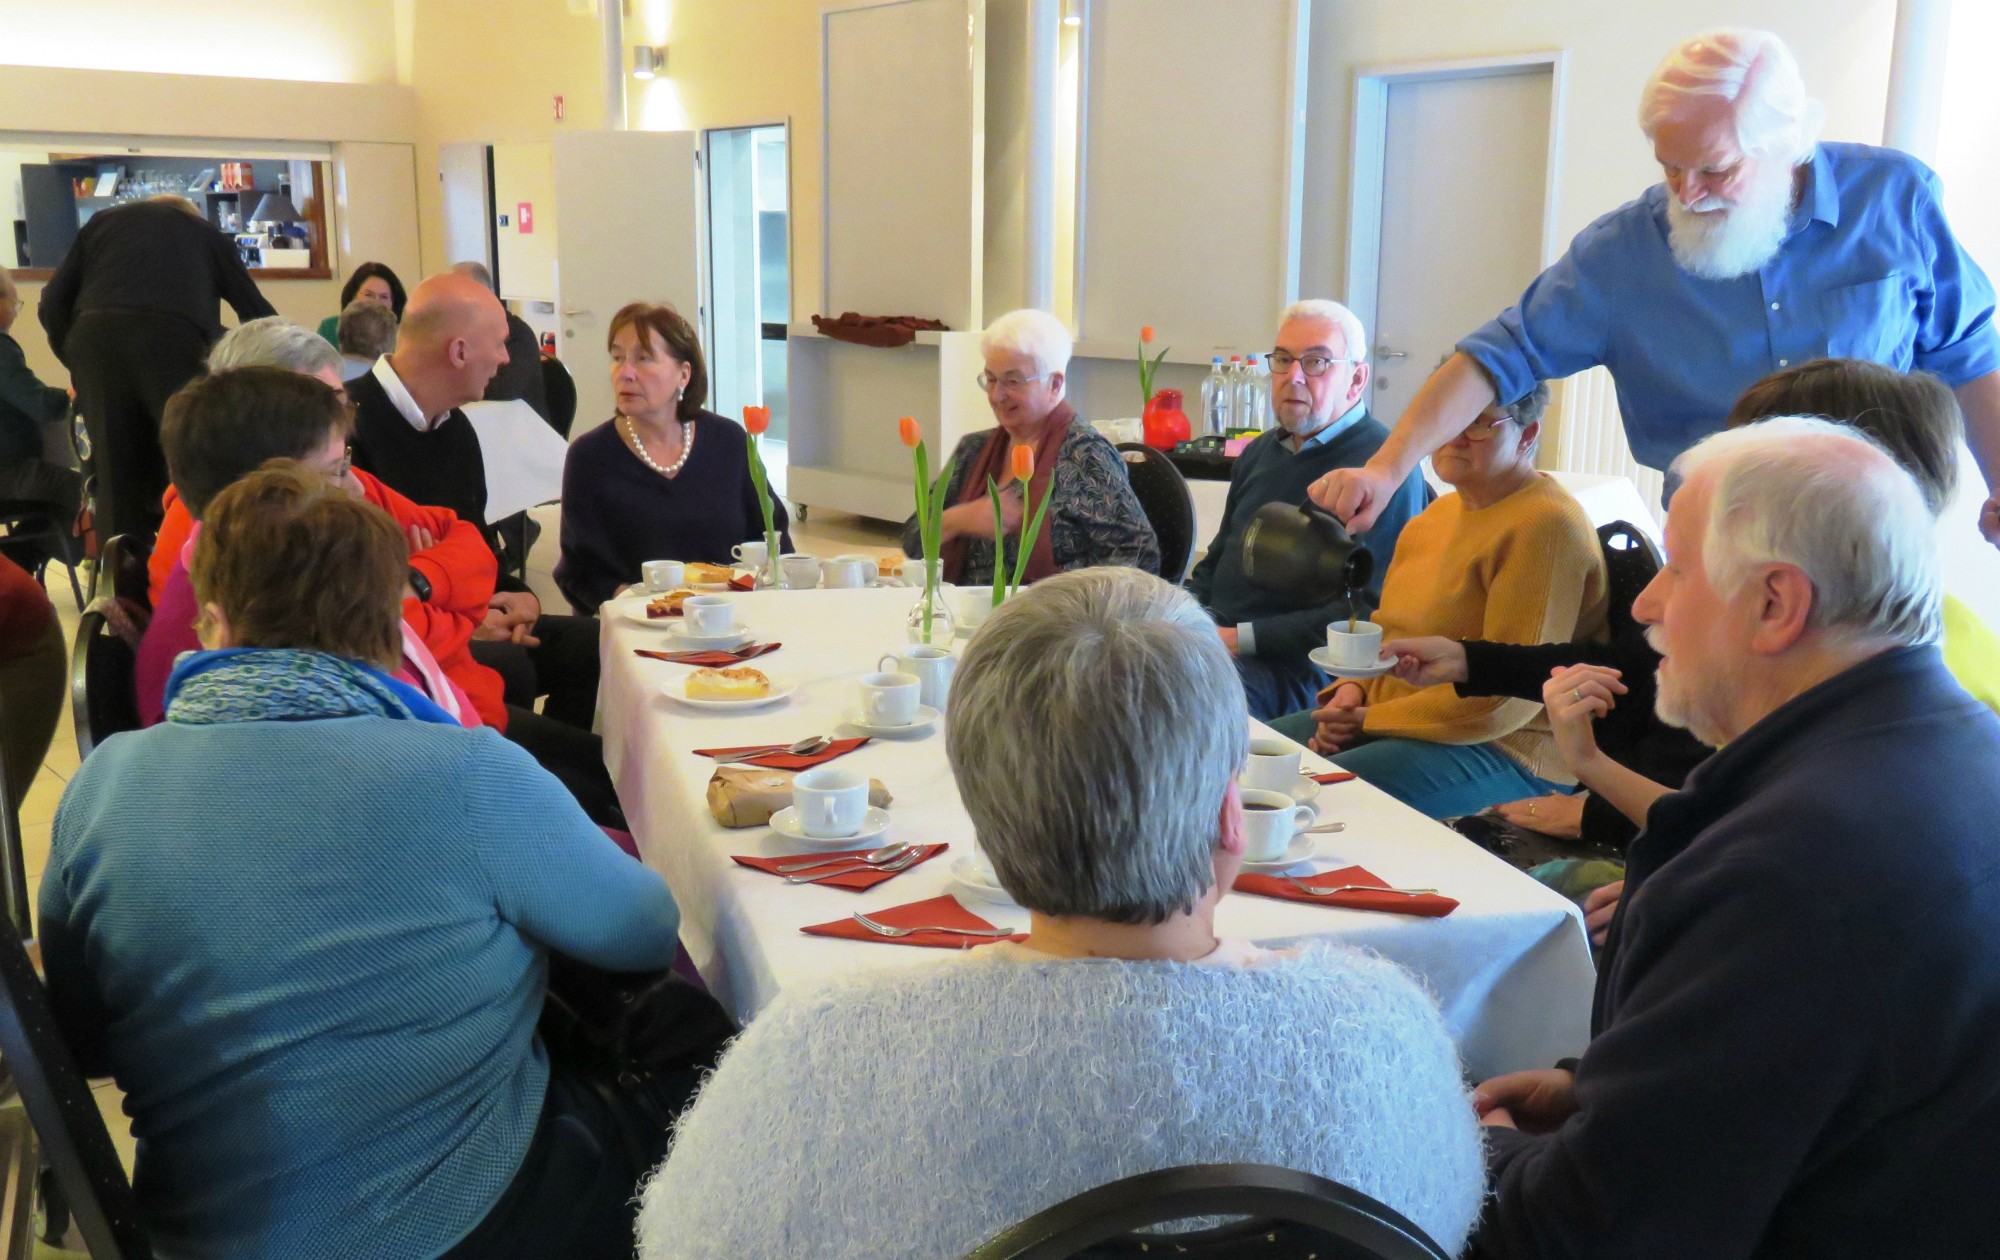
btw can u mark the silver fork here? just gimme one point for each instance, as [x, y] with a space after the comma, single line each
[891, 867]
[897, 933]
[1317, 891]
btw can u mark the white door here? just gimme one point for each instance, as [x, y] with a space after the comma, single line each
[465, 181]
[628, 208]
[1463, 181]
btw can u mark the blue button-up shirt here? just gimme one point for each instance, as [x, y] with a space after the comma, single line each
[1869, 270]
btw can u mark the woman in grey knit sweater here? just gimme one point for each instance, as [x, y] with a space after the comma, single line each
[1096, 729]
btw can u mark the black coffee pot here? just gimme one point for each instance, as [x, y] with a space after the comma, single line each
[1304, 551]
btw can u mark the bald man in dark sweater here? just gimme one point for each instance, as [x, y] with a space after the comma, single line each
[1318, 394]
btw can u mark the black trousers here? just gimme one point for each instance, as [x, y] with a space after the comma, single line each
[125, 365]
[564, 668]
[572, 1195]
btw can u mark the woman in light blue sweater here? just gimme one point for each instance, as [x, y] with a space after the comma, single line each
[1095, 731]
[305, 923]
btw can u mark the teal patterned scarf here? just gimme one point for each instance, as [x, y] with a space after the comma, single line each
[287, 685]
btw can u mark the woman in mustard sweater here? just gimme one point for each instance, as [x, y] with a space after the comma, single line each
[1509, 558]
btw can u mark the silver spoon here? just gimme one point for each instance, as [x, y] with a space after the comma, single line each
[888, 852]
[891, 867]
[1328, 892]
[804, 748]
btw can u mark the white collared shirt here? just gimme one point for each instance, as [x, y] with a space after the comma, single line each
[1341, 424]
[392, 385]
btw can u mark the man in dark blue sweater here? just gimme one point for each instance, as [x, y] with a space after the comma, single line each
[1319, 387]
[1796, 1036]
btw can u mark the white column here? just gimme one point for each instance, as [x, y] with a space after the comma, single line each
[1916, 77]
[1038, 210]
[611, 15]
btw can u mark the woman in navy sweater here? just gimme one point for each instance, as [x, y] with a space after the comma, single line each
[664, 479]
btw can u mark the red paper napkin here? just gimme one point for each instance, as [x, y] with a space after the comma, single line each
[1424, 905]
[710, 658]
[859, 878]
[1331, 776]
[938, 911]
[743, 582]
[787, 761]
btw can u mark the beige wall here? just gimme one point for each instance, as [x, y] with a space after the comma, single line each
[332, 41]
[732, 63]
[487, 72]
[1843, 46]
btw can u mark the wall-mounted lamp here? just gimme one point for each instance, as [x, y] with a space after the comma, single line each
[648, 63]
[1072, 12]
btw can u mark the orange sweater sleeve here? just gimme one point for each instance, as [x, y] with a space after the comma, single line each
[173, 536]
[460, 567]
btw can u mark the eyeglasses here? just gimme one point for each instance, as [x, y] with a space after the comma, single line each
[1314, 364]
[1012, 383]
[1482, 430]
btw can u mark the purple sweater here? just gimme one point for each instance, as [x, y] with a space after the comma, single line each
[617, 513]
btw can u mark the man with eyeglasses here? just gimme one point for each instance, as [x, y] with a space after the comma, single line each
[1319, 388]
[1762, 248]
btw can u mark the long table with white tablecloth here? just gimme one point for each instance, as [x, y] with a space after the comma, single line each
[1510, 967]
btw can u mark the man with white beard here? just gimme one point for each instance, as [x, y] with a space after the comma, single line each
[1762, 248]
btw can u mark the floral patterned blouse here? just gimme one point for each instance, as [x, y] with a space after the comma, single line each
[1094, 519]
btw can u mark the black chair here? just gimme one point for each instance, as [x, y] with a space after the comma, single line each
[13, 866]
[561, 391]
[76, 1145]
[124, 563]
[1292, 1216]
[1169, 507]
[101, 663]
[35, 536]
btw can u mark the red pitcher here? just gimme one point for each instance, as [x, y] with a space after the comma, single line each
[1166, 425]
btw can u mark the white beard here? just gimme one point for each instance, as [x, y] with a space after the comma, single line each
[1726, 243]
[1675, 705]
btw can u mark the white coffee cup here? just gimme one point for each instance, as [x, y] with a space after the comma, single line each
[801, 571]
[708, 615]
[890, 698]
[933, 665]
[751, 554]
[853, 569]
[975, 605]
[1273, 765]
[663, 575]
[1359, 650]
[830, 803]
[1270, 820]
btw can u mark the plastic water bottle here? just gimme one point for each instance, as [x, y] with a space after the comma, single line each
[1215, 400]
[1253, 398]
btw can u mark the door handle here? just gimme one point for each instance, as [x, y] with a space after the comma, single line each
[1384, 352]
[571, 310]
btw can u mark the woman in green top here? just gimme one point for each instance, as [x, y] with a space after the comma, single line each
[371, 282]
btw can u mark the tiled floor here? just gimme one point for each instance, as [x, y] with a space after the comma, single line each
[826, 534]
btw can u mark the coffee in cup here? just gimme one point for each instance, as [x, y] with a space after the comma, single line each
[1270, 820]
[1359, 648]
[1273, 764]
[708, 616]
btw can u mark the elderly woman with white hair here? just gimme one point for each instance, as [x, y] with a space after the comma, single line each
[1096, 730]
[1094, 518]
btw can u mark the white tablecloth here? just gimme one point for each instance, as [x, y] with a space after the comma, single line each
[1510, 966]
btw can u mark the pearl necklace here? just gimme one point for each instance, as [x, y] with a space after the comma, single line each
[639, 445]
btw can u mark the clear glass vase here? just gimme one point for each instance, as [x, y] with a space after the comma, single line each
[770, 576]
[931, 621]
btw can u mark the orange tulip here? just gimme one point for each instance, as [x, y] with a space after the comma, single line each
[1024, 463]
[756, 419]
[1146, 334]
[912, 433]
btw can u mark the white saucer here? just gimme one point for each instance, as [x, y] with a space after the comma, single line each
[676, 690]
[1324, 659]
[786, 823]
[1305, 791]
[679, 632]
[1303, 847]
[966, 874]
[926, 718]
